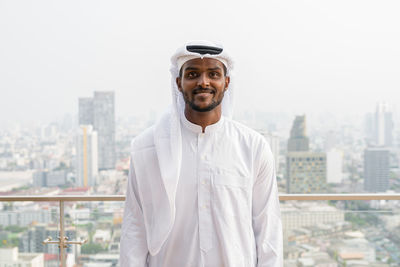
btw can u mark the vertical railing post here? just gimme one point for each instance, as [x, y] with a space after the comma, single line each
[62, 235]
[62, 239]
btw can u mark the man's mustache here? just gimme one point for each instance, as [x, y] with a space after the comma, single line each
[200, 90]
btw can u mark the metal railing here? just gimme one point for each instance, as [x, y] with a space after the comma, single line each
[63, 240]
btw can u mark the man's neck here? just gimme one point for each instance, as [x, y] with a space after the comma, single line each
[203, 118]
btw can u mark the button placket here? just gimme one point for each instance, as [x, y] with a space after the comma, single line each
[204, 198]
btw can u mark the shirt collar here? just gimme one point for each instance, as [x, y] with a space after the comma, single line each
[197, 128]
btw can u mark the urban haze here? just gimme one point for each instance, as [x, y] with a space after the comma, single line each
[318, 79]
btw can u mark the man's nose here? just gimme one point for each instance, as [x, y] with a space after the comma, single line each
[203, 80]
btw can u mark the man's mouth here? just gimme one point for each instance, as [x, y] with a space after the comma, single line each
[202, 92]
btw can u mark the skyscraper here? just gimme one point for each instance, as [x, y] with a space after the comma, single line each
[383, 125]
[305, 170]
[376, 169]
[298, 140]
[86, 156]
[85, 111]
[104, 124]
[99, 111]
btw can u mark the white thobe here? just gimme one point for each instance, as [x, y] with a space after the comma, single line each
[227, 207]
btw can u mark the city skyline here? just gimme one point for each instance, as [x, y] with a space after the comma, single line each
[319, 80]
[319, 53]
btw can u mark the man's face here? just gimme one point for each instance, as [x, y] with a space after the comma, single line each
[203, 83]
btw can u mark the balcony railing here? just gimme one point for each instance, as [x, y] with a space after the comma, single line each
[63, 241]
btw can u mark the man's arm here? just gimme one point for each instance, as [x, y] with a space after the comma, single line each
[133, 246]
[267, 225]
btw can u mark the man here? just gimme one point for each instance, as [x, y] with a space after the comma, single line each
[202, 189]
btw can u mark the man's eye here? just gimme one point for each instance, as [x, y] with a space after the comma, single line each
[191, 74]
[214, 74]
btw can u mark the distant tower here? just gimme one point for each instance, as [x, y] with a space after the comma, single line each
[99, 111]
[305, 170]
[376, 169]
[298, 140]
[85, 111]
[383, 125]
[87, 156]
[104, 124]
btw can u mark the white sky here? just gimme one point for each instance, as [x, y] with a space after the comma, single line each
[292, 56]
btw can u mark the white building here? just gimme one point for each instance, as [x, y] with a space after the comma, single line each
[334, 166]
[99, 111]
[24, 217]
[86, 156]
[302, 214]
[102, 236]
[383, 125]
[11, 257]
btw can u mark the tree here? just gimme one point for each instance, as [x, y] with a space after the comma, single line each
[91, 248]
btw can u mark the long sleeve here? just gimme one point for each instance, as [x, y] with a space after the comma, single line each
[267, 224]
[133, 246]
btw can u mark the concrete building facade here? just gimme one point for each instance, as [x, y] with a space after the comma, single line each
[86, 156]
[99, 111]
[376, 169]
[306, 172]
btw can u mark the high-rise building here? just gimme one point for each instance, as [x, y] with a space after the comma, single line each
[86, 156]
[305, 170]
[47, 178]
[376, 169]
[104, 124]
[334, 166]
[298, 140]
[383, 125]
[99, 111]
[85, 110]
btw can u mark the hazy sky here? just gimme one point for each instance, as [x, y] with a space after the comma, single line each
[291, 56]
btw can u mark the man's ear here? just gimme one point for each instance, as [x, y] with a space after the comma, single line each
[178, 83]
[227, 81]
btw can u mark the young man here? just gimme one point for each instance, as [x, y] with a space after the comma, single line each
[202, 189]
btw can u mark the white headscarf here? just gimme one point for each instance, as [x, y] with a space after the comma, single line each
[168, 139]
[182, 55]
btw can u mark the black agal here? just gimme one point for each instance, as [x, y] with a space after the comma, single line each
[204, 49]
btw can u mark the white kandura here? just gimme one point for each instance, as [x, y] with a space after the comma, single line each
[201, 199]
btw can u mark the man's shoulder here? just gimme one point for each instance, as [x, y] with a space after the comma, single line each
[244, 131]
[143, 140]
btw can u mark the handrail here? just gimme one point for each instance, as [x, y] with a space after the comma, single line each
[63, 241]
[282, 197]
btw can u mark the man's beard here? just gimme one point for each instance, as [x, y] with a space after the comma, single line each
[192, 105]
[210, 107]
